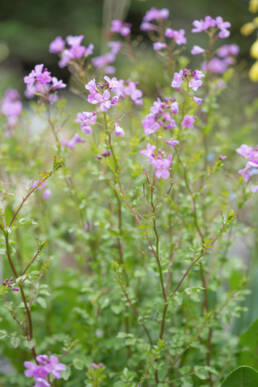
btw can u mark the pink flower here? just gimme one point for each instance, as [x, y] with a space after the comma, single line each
[71, 143]
[130, 89]
[149, 151]
[195, 82]
[54, 367]
[174, 107]
[38, 184]
[209, 22]
[156, 14]
[57, 84]
[228, 49]
[215, 65]
[74, 50]
[86, 120]
[169, 33]
[47, 194]
[198, 26]
[172, 143]
[203, 25]
[66, 57]
[245, 151]
[222, 26]
[160, 116]
[251, 154]
[150, 124]
[11, 107]
[48, 365]
[188, 121]
[121, 28]
[35, 371]
[108, 58]
[177, 79]
[57, 45]
[119, 131]
[39, 82]
[103, 60]
[197, 100]
[9, 284]
[162, 167]
[146, 26]
[160, 163]
[254, 188]
[157, 46]
[74, 41]
[77, 52]
[197, 74]
[196, 50]
[101, 93]
[177, 36]
[115, 46]
[41, 383]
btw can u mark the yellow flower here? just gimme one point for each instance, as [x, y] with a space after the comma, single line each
[253, 73]
[247, 29]
[253, 6]
[254, 50]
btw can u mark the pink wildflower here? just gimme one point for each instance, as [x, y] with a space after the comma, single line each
[188, 121]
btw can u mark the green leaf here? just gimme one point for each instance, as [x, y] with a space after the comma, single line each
[14, 341]
[202, 372]
[3, 334]
[249, 346]
[58, 163]
[42, 302]
[78, 363]
[8, 214]
[242, 377]
[66, 374]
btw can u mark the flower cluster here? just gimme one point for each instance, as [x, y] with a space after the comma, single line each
[160, 163]
[107, 95]
[161, 115]
[101, 94]
[153, 14]
[48, 366]
[194, 79]
[175, 36]
[172, 143]
[8, 283]
[120, 27]
[251, 168]
[40, 82]
[218, 24]
[197, 50]
[105, 61]
[11, 107]
[86, 120]
[73, 51]
[225, 57]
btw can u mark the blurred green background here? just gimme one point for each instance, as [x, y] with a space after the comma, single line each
[27, 27]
